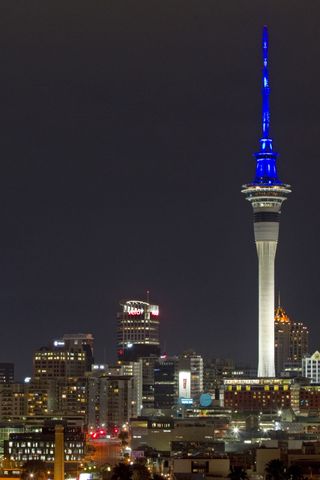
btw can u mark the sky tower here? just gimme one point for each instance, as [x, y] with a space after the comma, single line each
[266, 194]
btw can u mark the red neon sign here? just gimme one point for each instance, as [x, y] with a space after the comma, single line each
[136, 311]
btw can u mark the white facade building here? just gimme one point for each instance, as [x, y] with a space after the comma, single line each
[311, 367]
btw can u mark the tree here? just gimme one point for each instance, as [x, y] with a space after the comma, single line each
[123, 436]
[34, 470]
[140, 472]
[105, 471]
[122, 471]
[295, 472]
[275, 470]
[238, 473]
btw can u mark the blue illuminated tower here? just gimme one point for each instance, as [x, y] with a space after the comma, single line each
[266, 194]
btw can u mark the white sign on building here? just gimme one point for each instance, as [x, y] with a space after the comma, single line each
[184, 384]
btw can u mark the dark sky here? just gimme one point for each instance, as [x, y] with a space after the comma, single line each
[126, 131]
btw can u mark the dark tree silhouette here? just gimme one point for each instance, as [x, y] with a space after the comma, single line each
[122, 471]
[295, 472]
[140, 472]
[123, 436]
[238, 473]
[275, 470]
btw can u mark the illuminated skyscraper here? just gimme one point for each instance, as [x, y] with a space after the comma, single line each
[266, 194]
[192, 362]
[282, 335]
[138, 330]
[62, 359]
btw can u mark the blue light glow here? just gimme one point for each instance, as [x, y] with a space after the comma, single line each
[266, 170]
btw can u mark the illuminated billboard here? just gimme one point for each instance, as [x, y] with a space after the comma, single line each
[185, 384]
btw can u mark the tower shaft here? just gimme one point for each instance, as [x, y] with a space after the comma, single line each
[266, 256]
[266, 232]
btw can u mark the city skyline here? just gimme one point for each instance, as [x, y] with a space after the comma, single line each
[124, 138]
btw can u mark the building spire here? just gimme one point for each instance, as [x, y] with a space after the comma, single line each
[266, 170]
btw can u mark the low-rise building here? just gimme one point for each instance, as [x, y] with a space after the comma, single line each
[160, 432]
[257, 395]
[23, 447]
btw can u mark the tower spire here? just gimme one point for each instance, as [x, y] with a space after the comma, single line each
[266, 170]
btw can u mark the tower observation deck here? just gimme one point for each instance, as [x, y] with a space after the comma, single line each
[266, 194]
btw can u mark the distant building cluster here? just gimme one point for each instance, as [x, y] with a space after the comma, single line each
[182, 403]
[66, 380]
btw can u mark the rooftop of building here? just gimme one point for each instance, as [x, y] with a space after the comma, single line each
[281, 316]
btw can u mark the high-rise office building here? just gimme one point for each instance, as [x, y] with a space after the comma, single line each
[266, 194]
[111, 399]
[103, 382]
[6, 372]
[166, 383]
[299, 342]
[13, 401]
[138, 330]
[53, 362]
[148, 365]
[282, 334]
[71, 356]
[192, 362]
[135, 371]
[80, 341]
[291, 344]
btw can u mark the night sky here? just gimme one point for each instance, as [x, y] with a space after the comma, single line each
[126, 131]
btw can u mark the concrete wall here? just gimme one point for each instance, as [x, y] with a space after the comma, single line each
[264, 456]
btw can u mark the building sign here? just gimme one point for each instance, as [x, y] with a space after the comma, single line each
[154, 310]
[186, 401]
[185, 384]
[135, 311]
[137, 454]
[160, 425]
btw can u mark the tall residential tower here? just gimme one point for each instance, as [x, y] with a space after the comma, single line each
[266, 194]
